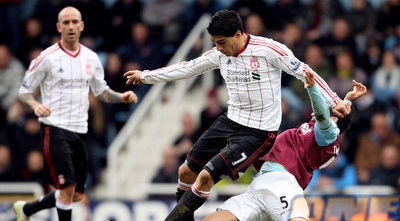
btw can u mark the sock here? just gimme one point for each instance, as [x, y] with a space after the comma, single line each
[179, 193]
[182, 188]
[190, 202]
[45, 202]
[64, 211]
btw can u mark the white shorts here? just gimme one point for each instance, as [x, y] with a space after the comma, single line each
[271, 196]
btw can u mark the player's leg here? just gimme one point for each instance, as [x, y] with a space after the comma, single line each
[50, 137]
[186, 179]
[64, 203]
[205, 148]
[243, 146]
[231, 161]
[24, 210]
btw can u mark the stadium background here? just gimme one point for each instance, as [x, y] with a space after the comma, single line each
[340, 39]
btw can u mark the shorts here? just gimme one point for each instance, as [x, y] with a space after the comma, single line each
[228, 149]
[271, 196]
[66, 157]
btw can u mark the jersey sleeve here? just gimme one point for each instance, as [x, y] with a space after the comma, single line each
[37, 71]
[325, 130]
[98, 84]
[286, 61]
[208, 61]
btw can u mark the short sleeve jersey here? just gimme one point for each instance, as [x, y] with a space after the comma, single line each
[297, 150]
[65, 80]
[252, 77]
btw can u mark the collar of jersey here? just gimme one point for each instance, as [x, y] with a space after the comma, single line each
[72, 55]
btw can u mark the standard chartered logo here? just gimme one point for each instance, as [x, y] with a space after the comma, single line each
[238, 76]
[76, 83]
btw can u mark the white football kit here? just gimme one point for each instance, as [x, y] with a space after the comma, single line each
[252, 77]
[64, 79]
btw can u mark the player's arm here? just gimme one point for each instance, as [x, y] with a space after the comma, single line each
[325, 130]
[39, 109]
[285, 60]
[208, 61]
[32, 79]
[110, 96]
[358, 91]
[318, 104]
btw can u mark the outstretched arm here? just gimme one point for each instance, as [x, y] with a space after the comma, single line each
[358, 91]
[208, 61]
[325, 133]
[318, 104]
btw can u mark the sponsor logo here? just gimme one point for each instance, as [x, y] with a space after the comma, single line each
[25, 85]
[305, 128]
[238, 79]
[351, 207]
[238, 76]
[295, 63]
[255, 76]
[76, 83]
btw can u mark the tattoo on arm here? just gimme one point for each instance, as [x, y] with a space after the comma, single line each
[110, 96]
[28, 100]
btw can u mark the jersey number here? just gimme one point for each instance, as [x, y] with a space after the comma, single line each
[284, 202]
[240, 160]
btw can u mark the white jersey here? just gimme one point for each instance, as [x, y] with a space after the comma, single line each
[64, 81]
[253, 79]
[279, 200]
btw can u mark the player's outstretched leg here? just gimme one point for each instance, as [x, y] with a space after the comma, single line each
[19, 212]
[25, 210]
[190, 202]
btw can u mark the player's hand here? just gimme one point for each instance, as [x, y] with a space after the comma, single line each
[133, 77]
[342, 109]
[310, 79]
[41, 110]
[358, 91]
[129, 97]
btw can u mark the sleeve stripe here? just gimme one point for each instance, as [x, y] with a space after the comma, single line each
[41, 57]
[336, 99]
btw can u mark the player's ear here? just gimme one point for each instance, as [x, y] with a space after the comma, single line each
[82, 25]
[238, 33]
[58, 25]
[335, 119]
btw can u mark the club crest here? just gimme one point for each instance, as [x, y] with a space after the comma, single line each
[89, 70]
[254, 63]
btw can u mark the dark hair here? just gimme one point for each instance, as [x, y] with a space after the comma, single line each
[344, 123]
[225, 23]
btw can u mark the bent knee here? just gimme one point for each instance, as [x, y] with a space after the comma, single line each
[186, 174]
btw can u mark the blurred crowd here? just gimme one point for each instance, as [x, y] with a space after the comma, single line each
[341, 40]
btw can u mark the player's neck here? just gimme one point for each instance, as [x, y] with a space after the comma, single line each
[243, 40]
[71, 46]
[242, 44]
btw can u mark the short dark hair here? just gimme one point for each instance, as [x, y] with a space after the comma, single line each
[344, 123]
[225, 23]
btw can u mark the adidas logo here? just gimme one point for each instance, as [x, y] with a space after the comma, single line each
[229, 61]
[60, 70]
